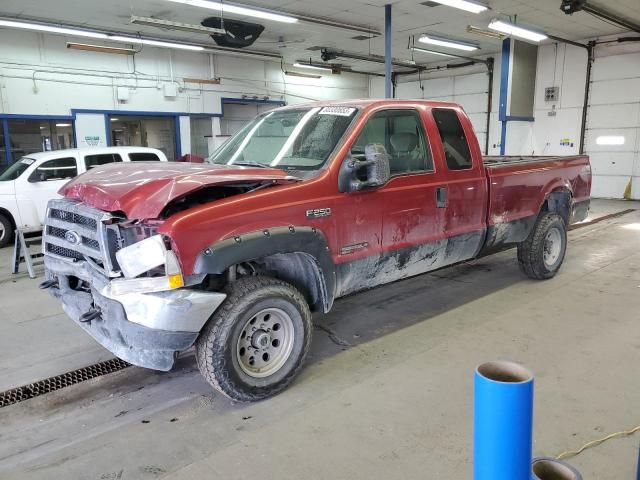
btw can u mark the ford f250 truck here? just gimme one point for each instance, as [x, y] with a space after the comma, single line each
[304, 205]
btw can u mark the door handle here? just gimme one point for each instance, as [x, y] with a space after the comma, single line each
[441, 197]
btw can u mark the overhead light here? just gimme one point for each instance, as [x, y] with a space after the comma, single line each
[239, 10]
[472, 7]
[185, 27]
[312, 67]
[63, 124]
[155, 43]
[485, 33]
[443, 42]
[51, 29]
[114, 119]
[101, 48]
[430, 52]
[610, 140]
[303, 75]
[516, 31]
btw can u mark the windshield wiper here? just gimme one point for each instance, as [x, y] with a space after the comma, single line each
[251, 164]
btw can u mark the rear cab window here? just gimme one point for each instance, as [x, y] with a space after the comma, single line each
[143, 157]
[58, 169]
[92, 161]
[454, 141]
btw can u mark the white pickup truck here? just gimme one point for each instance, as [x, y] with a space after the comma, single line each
[28, 184]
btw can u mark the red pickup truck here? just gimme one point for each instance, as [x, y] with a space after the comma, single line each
[304, 205]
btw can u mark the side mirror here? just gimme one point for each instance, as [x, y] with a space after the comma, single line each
[360, 174]
[37, 177]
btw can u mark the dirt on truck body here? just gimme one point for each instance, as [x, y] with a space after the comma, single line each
[306, 204]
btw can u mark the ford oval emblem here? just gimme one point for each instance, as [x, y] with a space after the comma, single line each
[72, 237]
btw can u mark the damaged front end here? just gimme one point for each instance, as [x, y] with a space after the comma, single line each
[121, 282]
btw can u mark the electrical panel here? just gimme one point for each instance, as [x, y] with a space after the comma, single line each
[551, 94]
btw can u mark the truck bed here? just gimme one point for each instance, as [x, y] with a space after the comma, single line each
[500, 161]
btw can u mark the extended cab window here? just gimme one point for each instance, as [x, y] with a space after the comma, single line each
[58, 169]
[144, 157]
[92, 161]
[402, 134]
[454, 142]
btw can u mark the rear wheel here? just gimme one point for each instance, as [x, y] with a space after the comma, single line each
[257, 341]
[541, 255]
[6, 231]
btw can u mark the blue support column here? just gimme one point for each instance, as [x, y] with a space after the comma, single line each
[388, 87]
[7, 142]
[504, 92]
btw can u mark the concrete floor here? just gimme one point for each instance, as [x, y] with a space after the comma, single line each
[387, 392]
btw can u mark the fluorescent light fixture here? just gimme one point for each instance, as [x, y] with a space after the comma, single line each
[63, 124]
[472, 7]
[51, 29]
[485, 33]
[185, 27]
[610, 140]
[430, 52]
[511, 29]
[239, 10]
[101, 48]
[155, 43]
[442, 42]
[301, 75]
[311, 66]
[115, 119]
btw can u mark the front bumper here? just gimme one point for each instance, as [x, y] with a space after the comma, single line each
[143, 329]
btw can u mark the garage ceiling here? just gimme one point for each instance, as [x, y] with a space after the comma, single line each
[410, 17]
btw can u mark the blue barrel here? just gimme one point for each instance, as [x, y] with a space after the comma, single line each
[503, 422]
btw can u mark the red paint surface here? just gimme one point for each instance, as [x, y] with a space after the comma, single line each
[401, 213]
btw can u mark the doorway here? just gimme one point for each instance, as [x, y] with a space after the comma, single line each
[144, 131]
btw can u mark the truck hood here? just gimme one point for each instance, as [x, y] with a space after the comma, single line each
[143, 189]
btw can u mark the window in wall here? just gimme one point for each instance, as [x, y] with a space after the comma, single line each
[30, 136]
[58, 169]
[402, 134]
[144, 157]
[155, 132]
[92, 161]
[201, 135]
[454, 141]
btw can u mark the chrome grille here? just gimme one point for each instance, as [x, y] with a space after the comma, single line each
[75, 232]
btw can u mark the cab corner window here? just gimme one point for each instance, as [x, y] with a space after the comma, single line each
[454, 141]
[92, 161]
[58, 169]
[402, 134]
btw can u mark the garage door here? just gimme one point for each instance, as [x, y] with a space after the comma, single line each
[613, 125]
[470, 91]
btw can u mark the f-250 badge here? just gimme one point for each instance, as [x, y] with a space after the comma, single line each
[319, 213]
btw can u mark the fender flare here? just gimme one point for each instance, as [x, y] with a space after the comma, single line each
[219, 256]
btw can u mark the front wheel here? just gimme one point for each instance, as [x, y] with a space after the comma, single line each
[257, 341]
[6, 231]
[541, 255]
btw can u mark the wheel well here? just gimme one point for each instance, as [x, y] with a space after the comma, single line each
[7, 214]
[559, 201]
[300, 270]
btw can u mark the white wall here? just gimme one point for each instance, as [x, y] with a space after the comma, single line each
[40, 76]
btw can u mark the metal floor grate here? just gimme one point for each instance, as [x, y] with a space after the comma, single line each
[52, 384]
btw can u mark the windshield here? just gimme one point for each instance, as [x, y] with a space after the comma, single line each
[292, 139]
[16, 169]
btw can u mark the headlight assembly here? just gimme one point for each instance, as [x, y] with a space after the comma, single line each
[142, 256]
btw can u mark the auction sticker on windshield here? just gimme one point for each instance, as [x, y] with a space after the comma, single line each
[339, 111]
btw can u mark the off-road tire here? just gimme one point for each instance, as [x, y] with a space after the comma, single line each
[6, 232]
[216, 346]
[531, 251]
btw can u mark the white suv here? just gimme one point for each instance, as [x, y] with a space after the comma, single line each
[28, 184]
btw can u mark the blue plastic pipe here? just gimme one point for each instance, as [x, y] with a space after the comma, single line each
[503, 422]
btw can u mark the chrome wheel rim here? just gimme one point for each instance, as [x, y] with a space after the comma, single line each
[3, 231]
[552, 247]
[265, 343]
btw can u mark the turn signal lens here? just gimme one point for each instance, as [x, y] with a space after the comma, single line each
[176, 281]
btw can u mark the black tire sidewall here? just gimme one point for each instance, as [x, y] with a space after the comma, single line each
[5, 239]
[548, 222]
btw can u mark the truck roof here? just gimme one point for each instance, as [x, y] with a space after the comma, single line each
[371, 102]
[90, 151]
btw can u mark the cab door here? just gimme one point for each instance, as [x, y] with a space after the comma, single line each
[462, 196]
